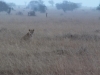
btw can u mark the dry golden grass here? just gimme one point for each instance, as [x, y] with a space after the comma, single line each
[62, 44]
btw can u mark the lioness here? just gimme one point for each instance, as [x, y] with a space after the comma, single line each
[28, 35]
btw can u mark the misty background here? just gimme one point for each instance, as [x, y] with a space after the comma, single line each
[88, 3]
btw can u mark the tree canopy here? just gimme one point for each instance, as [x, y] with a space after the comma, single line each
[37, 6]
[98, 7]
[5, 7]
[67, 6]
[51, 2]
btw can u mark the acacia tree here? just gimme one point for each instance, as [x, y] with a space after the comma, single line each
[98, 7]
[67, 6]
[5, 7]
[37, 6]
[42, 8]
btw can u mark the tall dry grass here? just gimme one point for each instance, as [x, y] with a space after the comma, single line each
[66, 44]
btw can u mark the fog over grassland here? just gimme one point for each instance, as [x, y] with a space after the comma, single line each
[62, 38]
[88, 3]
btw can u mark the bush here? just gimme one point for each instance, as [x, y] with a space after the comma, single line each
[31, 13]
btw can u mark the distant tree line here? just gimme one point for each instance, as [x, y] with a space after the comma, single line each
[67, 6]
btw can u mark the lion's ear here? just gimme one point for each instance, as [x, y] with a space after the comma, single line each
[29, 30]
[33, 29]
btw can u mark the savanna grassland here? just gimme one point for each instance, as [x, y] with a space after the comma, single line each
[62, 44]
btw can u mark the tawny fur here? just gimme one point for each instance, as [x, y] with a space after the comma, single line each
[28, 35]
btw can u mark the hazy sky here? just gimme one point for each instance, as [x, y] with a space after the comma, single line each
[89, 3]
